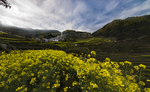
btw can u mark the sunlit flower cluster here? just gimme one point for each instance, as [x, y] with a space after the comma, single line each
[127, 62]
[142, 66]
[93, 53]
[136, 67]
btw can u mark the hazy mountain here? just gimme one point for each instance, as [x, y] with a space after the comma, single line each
[27, 32]
[130, 28]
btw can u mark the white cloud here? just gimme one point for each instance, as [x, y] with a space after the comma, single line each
[135, 10]
[113, 4]
[127, 1]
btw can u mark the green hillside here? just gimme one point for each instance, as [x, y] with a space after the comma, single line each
[135, 28]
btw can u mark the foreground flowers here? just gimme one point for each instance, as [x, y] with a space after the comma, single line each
[52, 70]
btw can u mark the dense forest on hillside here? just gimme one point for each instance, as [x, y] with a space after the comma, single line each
[130, 28]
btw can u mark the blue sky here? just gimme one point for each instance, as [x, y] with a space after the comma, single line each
[79, 15]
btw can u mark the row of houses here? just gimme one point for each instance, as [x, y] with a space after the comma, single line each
[56, 39]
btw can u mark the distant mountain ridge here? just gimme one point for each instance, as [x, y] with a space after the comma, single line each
[26, 31]
[129, 28]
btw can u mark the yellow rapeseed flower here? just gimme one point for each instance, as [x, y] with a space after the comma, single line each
[93, 53]
[74, 83]
[19, 88]
[56, 85]
[122, 63]
[146, 89]
[32, 80]
[136, 67]
[141, 65]
[131, 71]
[48, 87]
[65, 89]
[116, 65]
[107, 59]
[63, 72]
[57, 81]
[46, 71]
[32, 74]
[94, 85]
[24, 90]
[48, 83]
[148, 80]
[67, 76]
[43, 84]
[142, 83]
[112, 62]
[132, 87]
[89, 55]
[44, 77]
[127, 62]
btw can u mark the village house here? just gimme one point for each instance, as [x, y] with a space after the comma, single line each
[56, 39]
[45, 40]
[1, 31]
[37, 39]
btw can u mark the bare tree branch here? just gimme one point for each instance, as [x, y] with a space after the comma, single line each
[5, 3]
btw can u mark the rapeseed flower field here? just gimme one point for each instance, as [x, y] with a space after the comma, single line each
[56, 71]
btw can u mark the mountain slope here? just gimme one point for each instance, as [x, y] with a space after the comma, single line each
[130, 28]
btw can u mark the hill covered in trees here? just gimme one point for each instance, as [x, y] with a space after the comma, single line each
[72, 35]
[132, 28]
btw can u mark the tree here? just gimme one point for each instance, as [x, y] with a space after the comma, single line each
[5, 3]
[41, 37]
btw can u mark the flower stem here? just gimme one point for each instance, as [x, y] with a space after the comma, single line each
[126, 69]
[140, 78]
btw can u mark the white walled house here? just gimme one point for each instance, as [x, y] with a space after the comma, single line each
[45, 40]
[54, 39]
[1, 31]
[37, 39]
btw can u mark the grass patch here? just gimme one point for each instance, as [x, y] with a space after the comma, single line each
[92, 40]
[144, 55]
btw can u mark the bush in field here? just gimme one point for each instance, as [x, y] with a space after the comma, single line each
[53, 70]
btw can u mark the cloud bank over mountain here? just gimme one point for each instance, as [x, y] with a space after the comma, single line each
[81, 15]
